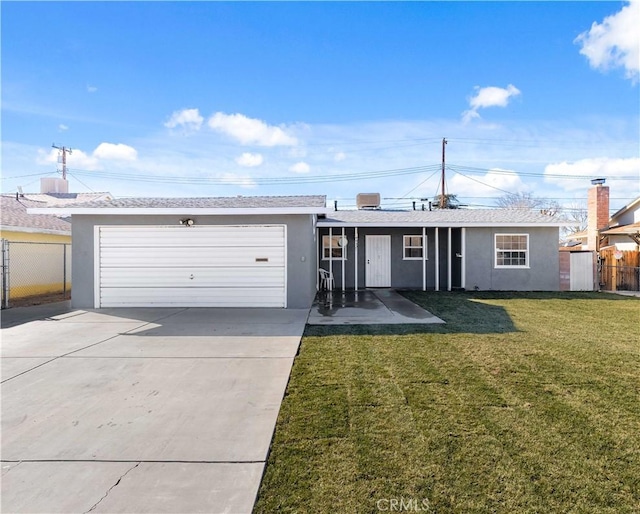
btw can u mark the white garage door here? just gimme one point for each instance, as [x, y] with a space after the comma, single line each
[200, 266]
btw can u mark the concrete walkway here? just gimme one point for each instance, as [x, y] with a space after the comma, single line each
[142, 410]
[367, 307]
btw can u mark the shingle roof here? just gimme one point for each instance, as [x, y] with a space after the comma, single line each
[57, 199]
[632, 228]
[13, 216]
[459, 217]
[225, 202]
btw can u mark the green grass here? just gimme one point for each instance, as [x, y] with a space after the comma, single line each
[522, 402]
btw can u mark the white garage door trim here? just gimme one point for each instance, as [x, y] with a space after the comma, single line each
[200, 266]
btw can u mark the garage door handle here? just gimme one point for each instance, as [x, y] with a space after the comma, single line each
[191, 277]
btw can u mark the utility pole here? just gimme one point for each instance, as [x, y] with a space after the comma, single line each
[64, 151]
[442, 195]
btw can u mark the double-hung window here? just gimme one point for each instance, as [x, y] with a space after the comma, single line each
[412, 247]
[512, 250]
[334, 247]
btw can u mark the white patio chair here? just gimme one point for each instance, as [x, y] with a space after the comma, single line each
[326, 279]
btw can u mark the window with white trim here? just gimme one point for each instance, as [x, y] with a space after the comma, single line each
[512, 250]
[412, 248]
[337, 250]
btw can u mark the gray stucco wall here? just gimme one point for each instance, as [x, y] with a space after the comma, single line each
[301, 250]
[542, 275]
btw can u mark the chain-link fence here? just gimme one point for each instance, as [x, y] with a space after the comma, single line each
[31, 271]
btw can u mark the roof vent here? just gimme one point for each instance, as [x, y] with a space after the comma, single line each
[368, 200]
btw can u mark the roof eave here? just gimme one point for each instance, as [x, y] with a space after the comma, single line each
[180, 211]
[439, 224]
[35, 230]
[625, 208]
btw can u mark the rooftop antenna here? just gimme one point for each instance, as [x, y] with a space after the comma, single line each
[64, 150]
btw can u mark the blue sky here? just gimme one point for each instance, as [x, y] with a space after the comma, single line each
[217, 99]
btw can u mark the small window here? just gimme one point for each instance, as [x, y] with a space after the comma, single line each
[512, 250]
[412, 247]
[337, 250]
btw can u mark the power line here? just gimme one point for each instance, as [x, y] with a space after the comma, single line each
[191, 179]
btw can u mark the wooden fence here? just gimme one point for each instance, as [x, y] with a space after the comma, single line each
[619, 270]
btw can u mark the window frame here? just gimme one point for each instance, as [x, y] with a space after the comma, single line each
[406, 247]
[336, 246]
[497, 251]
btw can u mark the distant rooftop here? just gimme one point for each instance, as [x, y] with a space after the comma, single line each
[65, 198]
[14, 217]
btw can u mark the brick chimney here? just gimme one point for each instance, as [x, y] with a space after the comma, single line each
[597, 212]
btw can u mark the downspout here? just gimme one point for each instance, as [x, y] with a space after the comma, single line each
[344, 260]
[424, 258]
[463, 263]
[449, 259]
[318, 256]
[355, 280]
[331, 254]
[437, 284]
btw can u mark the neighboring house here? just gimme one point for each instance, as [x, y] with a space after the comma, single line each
[37, 247]
[17, 225]
[266, 251]
[621, 230]
[605, 255]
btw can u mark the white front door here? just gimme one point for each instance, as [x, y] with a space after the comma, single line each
[378, 261]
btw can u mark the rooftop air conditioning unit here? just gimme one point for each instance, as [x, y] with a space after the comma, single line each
[368, 200]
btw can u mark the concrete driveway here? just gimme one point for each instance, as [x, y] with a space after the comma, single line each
[142, 410]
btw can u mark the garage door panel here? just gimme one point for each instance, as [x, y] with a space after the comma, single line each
[191, 277]
[192, 236]
[190, 297]
[194, 256]
[204, 266]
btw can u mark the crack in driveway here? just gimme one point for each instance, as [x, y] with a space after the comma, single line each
[114, 485]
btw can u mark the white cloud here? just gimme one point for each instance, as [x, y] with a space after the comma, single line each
[80, 160]
[614, 43]
[244, 181]
[91, 89]
[300, 167]
[600, 167]
[118, 151]
[490, 96]
[62, 127]
[188, 119]
[250, 130]
[340, 156]
[250, 160]
[495, 183]
[76, 159]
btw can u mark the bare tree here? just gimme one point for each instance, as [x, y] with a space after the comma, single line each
[528, 201]
[448, 202]
[577, 215]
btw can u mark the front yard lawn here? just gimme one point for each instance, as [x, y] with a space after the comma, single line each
[522, 402]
